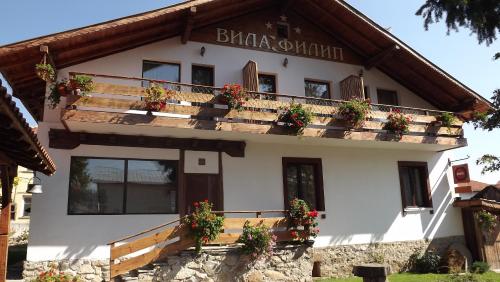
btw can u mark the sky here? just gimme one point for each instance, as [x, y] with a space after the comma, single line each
[458, 53]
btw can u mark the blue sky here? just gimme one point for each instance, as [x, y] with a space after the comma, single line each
[458, 54]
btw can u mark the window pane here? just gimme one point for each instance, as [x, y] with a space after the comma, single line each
[152, 187]
[292, 182]
[408, 191]
[27, 206]
[317, 89]
[387, 97]
[308, 185]
[419, 187]
[160, 71]
[96, 186]
[202, 75]
[267, 83]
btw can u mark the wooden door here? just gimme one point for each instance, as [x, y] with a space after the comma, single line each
[199, 187]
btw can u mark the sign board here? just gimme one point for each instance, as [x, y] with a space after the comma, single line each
[461, 173]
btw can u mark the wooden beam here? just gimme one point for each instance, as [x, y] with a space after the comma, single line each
[7, 174]
[63, 139]
[377, 59]
[285, 5]
[189, 25]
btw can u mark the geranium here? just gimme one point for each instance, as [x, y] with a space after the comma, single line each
[205, 225]
[398, 123]
[257, 240]
[155, 97]
[300, 215]
[233, 95]
[354, 111]
[52, 275]
[296, 117]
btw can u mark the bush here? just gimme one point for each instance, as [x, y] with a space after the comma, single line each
[480, 267]
[355, 111]
[296, 117]
[204, 225]
[427, 262]
[55, 276]
[257, 240]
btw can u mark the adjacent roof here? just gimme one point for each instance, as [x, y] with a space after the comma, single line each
[335, 17]
[489, 198]
[18, 141]
[476, 186]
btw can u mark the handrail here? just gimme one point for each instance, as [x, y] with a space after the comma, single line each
[145, 231]
[293, 97]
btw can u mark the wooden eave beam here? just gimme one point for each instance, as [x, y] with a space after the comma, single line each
[189, 25]
[286, 5]
[380, 57]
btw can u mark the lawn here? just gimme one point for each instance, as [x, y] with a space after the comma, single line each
[410, 277]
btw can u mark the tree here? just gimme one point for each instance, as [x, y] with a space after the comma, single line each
[482, 17]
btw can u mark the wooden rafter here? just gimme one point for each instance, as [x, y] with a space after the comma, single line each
[286, 5]
[380, 57]
[189, 25]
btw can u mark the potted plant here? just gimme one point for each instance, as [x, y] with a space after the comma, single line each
[354, 111]
[81, 84]
[397, 123]
[445, 119]
[300, 215]
[233, 95]
[257, 240]
[155, 98]
[45, 72]
[295, 117]
[204, 225]
[58, 90]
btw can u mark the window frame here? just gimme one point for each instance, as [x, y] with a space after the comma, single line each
[318, 177]
[427, 193]
[164, 63]
[275, 81]
[24, 205]
[125, 177]
[396, 95]
[328, 84]
[206, 67]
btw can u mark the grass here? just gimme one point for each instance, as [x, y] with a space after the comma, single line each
[411, 277]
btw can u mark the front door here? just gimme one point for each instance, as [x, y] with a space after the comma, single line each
[200, 187]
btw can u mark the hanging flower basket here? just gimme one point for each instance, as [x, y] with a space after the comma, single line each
[45, 71]
[397, 123]
[81, 85]
[204, 225]
[233, 95]
[354, 112]
[58, 90]
[295, 117]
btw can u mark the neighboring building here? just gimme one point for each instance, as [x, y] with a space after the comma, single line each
[21, 201]
[122, 170]
[471, 188]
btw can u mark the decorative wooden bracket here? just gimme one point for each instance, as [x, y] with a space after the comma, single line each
[377, 59]
[44, 49]
[189, 25]
[63, 139]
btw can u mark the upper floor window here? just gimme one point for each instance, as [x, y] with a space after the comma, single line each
[387, 97]
[415, 190]
[303, 179]
[267, 83]
[318, 89]
[120, 186]
[161, 71]
[202, 75]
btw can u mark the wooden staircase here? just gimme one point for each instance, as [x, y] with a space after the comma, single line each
[148, 246]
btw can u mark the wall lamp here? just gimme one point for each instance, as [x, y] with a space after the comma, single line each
[35, 187]
[285, 62]
[202, 51]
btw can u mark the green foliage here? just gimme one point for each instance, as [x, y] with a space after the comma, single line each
[82, 84]
[487, 220]
[491, 163]
[296, 117]
[45, 72]
[301, 215]
[355, 111]
[425, 262]
[234, 96]
[205, 226]
[413, 277]
[376, 257]
[447, 119]
[489, 120]
[56, 91]
[457, 277]
[55, 276]
[397, 123]
[480, 267]
[257, 240]
[155, 97]
[482, 17]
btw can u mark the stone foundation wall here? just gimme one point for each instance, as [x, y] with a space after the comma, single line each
[289, 263]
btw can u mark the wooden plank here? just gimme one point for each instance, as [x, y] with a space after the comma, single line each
[142, 243]
[157, 253]
[226, 238]
[272, 222]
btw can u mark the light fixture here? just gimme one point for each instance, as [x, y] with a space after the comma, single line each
[285, 62]
[35, 188]
[202, 51]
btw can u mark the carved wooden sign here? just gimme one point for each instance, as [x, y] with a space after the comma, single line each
[270, 32]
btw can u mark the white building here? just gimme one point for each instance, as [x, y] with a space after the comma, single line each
[121, 171]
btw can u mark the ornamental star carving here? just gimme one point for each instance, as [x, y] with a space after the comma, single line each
[269, 25]
[297, 30]
[283, 18]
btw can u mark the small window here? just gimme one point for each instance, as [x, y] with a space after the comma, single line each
[202, 75]
[27, 206]
[318, 89]
[267, 83]
[387, 97]
[415, 191]
[303, 179]
[283, 30]
[160, 71]
[12, 212]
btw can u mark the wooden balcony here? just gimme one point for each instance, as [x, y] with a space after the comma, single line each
[116, 101]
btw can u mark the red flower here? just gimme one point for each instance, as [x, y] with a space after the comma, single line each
[293, 234]
[313, 213]
[206, 201]
[196, 204]
[194, 225]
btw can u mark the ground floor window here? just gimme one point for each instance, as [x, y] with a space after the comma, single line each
[26, 206]
[303, 179]
[122, 186]
[415, 190]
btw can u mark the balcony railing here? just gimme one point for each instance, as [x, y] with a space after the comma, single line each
[120, 95]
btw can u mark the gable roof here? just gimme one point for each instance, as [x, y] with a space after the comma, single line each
[337, 18]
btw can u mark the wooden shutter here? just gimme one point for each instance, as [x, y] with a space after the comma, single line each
[351, 87]
[250, 76]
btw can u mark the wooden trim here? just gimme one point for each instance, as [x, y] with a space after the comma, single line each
[181, 207]
[378, 58]
[63, 139]
[221, 182]
[427, 193]
[318, 177]
[189, 25]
